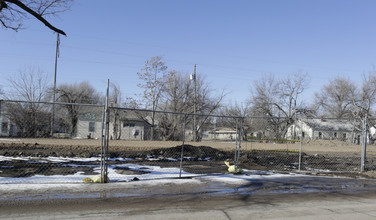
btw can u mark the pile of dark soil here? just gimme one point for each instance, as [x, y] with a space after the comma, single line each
[195, 153]
[35, 150]
[200, 159]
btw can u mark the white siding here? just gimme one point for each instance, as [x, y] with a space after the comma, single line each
[83, 129]
[132, 130]
[7, 128]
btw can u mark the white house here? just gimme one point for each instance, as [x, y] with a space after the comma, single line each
[220, 134]
[132, 128]
[126, 126]
[313, 129]
[89, 125]
[7, 127]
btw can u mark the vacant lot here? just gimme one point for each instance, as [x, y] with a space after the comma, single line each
[199, 157]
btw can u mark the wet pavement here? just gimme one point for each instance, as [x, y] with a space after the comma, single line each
[201, 197]
[208, 185]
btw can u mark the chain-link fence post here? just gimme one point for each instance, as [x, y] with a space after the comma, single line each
[236, 144]
[105, 138]
[301, 140]
[182, 146]
[364, 143]
[238, 137]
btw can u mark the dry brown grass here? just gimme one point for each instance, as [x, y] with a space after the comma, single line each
[315, 146]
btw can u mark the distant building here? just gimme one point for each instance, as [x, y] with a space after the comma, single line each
[314, 129]
[127, 126]
[7, 127]
[219, 134]
[89, 125]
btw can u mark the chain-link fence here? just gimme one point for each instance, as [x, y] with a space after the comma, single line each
[63, 142]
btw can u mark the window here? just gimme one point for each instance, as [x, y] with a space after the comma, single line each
[344, 135]
[129, 124]
[91, 126]
[4, 127]
[320, 135]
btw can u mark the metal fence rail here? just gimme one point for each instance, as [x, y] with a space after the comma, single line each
[86, 141]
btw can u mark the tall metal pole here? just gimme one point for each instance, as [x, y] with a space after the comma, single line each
[364, 143]
[240, 136]
[236, 144]
[182, 147]
[300, 150]
[194, 106]
[105, 138]
[54, 89]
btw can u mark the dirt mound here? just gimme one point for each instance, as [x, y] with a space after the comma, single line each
[35, 150]
[198, 153]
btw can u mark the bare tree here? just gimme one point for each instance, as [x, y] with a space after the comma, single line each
[30, 85]
[76, 93]
[208, 101]
[1, 92]
[280, 100]
[13, 12]
[364, 98]
[131, 102]
[115, 101]
[336, 98]
[178, 97]
[240, 111]
[152, 76]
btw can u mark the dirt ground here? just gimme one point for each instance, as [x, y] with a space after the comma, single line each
[199, 157]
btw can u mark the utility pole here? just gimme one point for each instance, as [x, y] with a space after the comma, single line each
[54, 89]
[193, 77]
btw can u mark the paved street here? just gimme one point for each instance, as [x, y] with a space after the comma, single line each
[311, 206]
[300, 197]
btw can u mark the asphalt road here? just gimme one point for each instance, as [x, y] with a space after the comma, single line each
[337, 198]
[309, 206]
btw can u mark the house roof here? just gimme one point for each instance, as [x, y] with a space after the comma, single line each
[90, 116]
[97, 116]
[332, 125]
[133, 116]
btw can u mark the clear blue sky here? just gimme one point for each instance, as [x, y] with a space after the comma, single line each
[233, 43]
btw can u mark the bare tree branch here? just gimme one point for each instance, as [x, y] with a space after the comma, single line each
[36, 15]
[11, 17]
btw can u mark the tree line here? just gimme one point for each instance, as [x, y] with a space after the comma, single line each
[278, 101]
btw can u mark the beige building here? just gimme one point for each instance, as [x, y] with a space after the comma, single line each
[127, 126]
